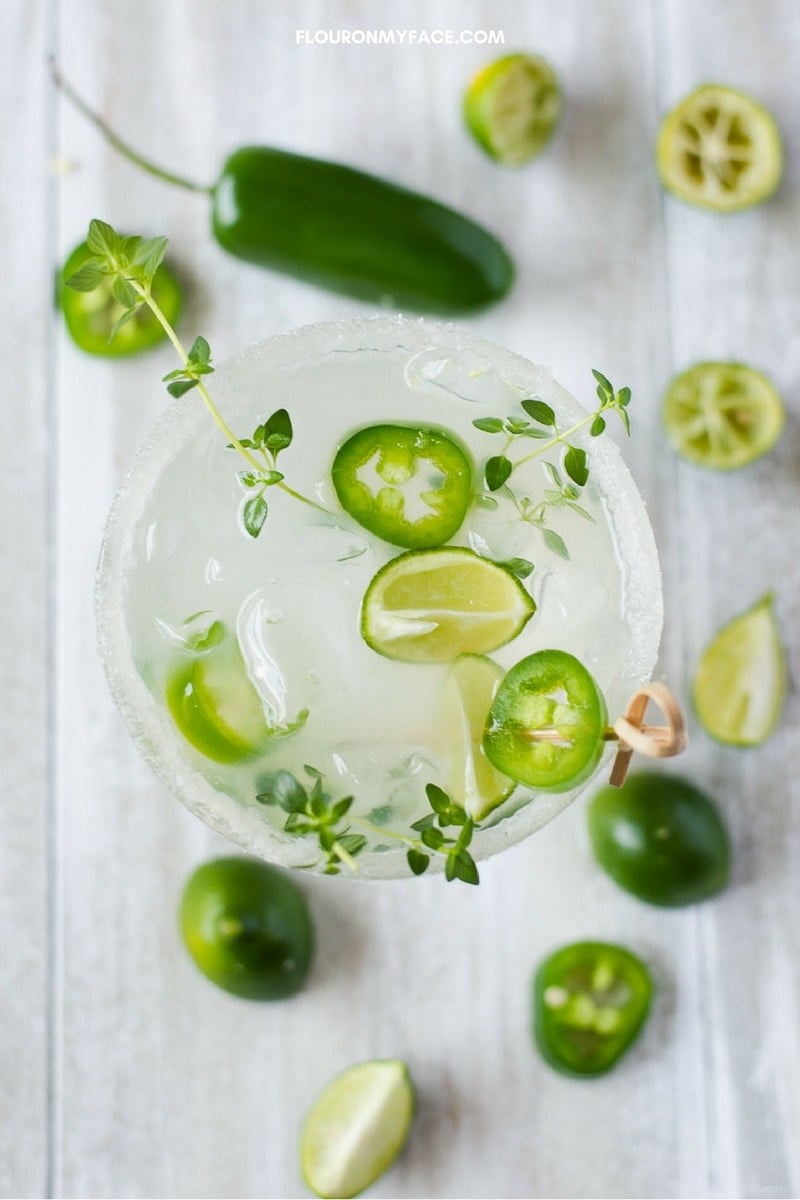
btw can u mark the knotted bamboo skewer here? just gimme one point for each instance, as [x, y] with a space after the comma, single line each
[655, 741]
[631, 733]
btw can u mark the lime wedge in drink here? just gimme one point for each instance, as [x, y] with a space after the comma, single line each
[469, 688]
[740, 683]
[720, 149]
[215, 706]
[512, 108]
[430, 606]
[356, 1128]
[722, 414]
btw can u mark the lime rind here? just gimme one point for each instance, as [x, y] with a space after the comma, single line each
[512, 108]
[719, 149]
[229, 699]
[430, 606]
[474, 782]
[216, 707]
[741, 680]
[356, 1128]
[722, 415]
[248, 928]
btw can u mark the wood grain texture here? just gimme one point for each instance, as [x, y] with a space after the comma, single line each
[25, 554]
[161, 1085]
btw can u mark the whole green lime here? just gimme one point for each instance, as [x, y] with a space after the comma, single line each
[661, 839]
[248, 928]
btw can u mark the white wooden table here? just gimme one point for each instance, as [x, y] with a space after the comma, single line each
[122, 1072]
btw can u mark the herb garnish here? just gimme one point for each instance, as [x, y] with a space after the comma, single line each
[459, 862]
[317, 815]
[542, 427]
[130, 263]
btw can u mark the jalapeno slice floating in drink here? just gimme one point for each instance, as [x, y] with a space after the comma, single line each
[590, 1000]
[546, 724]
[409, 486]
[90, 316]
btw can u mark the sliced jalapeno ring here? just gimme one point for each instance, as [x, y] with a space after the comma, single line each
[590, 1000]
[90, 316]
[409, 486]
[546, 724]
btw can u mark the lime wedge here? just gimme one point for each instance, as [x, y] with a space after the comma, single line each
[512, 108]
[722, 415]
[356, 1128]
[740, 684]
[229, 699]
[469, 689]
[215, 706]
[720, 149]
[430, 606]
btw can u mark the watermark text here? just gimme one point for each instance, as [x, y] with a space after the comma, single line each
[399, 37]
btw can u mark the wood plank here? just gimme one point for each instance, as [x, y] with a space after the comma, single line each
[168, 1087]
[25, 545]
[732, 284]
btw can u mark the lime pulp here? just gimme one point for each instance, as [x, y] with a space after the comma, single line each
[469, 689]
[740, 682]
[433, 605]
[720, 149]
[723, 415]
[215, 706]
[512, 108]
[356, 1128]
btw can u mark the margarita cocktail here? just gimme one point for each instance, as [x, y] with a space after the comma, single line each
[432, 523]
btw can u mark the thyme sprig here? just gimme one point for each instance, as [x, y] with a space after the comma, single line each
[444, 814]
[267, 441]
[314, 813]
[561, 494]
[539, 424]
[129, 265]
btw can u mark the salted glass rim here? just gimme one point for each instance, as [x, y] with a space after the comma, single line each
[245, 825]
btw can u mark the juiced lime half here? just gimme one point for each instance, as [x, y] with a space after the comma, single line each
[431, 606]
[512, 107]
[720, 149]
[722, 414]
[740, 684]
[356, 1128]
[467, 695]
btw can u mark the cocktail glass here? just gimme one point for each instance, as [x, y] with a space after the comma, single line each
[174, 548]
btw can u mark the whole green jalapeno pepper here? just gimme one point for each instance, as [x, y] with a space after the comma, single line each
[342, 229]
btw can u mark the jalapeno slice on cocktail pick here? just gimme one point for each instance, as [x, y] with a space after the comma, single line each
[409, 486]
[248, 928]
[590, 1000]
[90, 316]
[546, 724]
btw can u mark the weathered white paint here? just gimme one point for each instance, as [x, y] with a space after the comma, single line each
[124, 1074]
